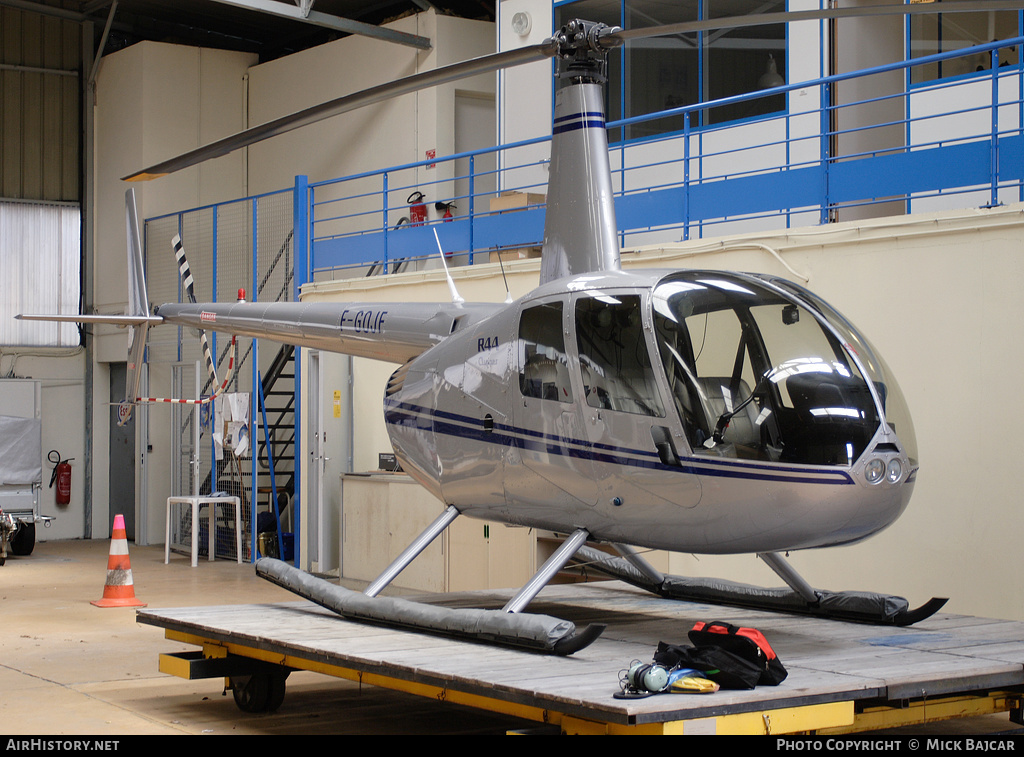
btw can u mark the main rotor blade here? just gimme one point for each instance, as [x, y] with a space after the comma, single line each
[615, 38]
[465, 69]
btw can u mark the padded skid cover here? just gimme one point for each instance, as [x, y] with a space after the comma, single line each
[859, 606]
[540, 633]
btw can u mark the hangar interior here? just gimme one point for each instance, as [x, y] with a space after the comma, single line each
[889, 186]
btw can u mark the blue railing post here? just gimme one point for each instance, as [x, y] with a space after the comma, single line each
[994, 149]
[825, 129]
[303, 258]
[686, 176]
[472, 204]
[302, 261]
[255, 378]
[213, 339]
[384, 205]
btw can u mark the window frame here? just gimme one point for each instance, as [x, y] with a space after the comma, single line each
[618, 91]
[40, 263]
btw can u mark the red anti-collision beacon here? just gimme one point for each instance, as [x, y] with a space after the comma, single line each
[241, 295]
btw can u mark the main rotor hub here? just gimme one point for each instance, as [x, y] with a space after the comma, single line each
[583, 50]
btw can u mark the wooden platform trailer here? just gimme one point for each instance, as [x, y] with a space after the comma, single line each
[843, 677]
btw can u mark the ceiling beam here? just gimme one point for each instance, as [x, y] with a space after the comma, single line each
[46, 10]
[336, 23]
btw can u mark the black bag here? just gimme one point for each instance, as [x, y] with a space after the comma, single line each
[728, 670]
[747, 643]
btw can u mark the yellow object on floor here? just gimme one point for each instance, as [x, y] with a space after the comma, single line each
[693, 685]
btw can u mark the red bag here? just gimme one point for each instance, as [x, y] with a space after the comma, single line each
[748, 643]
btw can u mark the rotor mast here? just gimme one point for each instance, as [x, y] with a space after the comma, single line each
[580, 233]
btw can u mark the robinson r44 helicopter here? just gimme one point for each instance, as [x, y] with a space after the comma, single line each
[696, 411]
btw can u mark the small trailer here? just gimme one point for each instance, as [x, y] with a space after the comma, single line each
[21, 466]
[843, 678]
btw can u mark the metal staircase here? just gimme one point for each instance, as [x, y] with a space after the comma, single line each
[272, 429]
[276, 450]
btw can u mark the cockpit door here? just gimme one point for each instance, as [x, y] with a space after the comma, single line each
[549, 464]
[635, 434]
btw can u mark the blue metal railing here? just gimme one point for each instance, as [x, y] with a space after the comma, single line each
[362, 221]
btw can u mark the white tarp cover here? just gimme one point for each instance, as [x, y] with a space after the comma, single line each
[21, 450]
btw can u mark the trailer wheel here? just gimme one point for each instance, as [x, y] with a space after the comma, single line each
[261, 692]
[275, 691]
[250, 692]
[24, 540]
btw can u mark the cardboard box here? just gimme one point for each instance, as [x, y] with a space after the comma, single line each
[516, 201]
[514, 253]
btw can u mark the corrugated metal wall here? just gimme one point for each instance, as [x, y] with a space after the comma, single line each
[40, 111]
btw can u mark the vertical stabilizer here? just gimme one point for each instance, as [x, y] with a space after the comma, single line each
[138, 303]
[579, 228]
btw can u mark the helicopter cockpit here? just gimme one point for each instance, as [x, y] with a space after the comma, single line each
[758, 368]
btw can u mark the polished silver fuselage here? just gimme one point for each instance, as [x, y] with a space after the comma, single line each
[462, 426]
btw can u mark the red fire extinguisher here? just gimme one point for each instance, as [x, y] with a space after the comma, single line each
[417, 209]
[61, 476]
[447, 208]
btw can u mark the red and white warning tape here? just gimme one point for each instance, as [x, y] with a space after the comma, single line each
[213, 373]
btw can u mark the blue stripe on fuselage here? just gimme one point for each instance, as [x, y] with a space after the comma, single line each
[464, 427]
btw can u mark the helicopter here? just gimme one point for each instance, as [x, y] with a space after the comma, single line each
[698, 411]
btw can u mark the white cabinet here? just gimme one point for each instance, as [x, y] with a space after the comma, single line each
[383, 513]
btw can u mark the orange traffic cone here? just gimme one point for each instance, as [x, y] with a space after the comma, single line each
[119, 590]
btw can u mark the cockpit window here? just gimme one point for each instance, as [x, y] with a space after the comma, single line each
[545, 369]
[755, 375]
[615, 363]
[897, 413]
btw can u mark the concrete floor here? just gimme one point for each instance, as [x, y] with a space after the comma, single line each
[70, 668]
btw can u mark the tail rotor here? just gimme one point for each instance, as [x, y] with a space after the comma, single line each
[188, 286]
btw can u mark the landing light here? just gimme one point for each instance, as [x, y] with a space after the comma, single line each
[874, 471]
[895, 471]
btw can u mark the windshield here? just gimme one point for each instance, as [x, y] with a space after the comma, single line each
[897, 413]
[755, 375]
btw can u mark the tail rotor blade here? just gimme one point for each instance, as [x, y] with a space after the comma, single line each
[187, 282]
[138, 299]
[138, 305]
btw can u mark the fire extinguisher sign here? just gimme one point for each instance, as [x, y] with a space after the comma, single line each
[431, 155]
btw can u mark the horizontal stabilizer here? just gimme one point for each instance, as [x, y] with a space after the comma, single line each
[113, 320]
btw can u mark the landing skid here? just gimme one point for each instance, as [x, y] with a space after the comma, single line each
[860, 607]
[508, 626]
[536, 633]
